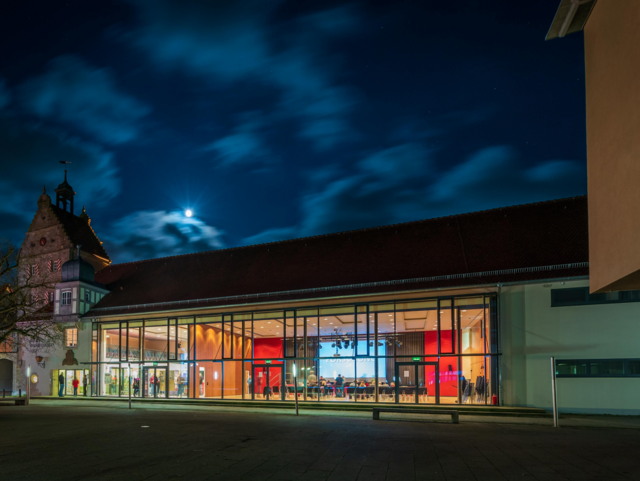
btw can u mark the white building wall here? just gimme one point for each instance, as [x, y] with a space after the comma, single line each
[532, 331]
[53, 360]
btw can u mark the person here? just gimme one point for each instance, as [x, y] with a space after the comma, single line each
[157, 385]
[312, 379]
[84, 385]
[75, 385]
[136, 387]
[60, 385]
[339, 386]
[180, 386]
[152, 385]
[249, 380]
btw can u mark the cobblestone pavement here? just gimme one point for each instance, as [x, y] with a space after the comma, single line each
[51, 441]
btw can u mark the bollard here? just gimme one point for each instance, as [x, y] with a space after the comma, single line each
[20, 392]
[3, 394]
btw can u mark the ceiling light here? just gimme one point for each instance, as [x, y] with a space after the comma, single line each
[464, 310]
[331, 323]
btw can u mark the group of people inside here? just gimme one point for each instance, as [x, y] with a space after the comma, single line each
[75, 383]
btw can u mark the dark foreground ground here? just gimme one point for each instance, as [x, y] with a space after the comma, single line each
[49, 442]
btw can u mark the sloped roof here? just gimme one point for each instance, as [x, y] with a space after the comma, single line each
[498, 245]
[80, 232]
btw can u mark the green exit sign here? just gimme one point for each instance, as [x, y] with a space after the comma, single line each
[416, 358]
[155, 363]
[267, 362]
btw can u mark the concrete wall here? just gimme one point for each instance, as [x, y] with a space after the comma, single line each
[532, 332]
[612, 63]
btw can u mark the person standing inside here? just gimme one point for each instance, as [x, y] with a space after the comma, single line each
[339, 384]
[60, 385]
[84, 385]
[75, 385]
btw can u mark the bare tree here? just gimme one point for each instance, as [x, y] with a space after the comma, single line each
[26, 306]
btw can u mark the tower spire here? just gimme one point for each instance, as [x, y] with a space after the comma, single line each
[65, 193]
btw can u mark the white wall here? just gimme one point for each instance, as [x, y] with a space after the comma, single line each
[532, 331]
[54, 361]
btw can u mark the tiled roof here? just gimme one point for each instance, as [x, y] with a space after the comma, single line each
[458, 250]
[80, 232]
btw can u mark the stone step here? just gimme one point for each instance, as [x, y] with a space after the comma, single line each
[475, 410]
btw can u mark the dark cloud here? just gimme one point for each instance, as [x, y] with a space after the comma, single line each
[399, 184]
[85, 97]
[30, 158]
[244, 145]
[5, 96]
[229, 41]
[151, 234]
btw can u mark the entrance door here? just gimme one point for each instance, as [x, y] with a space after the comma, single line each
[6, 375]
[267, 382]
[155, 382]
[417, 383]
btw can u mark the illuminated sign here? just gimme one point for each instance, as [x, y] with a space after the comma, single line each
[267, 362]
[155, 363]
[416, 358]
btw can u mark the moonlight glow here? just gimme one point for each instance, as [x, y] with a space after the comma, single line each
[188, 213]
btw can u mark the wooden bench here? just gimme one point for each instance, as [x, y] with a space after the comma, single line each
[455, 415]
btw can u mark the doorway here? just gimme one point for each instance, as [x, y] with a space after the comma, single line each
[154, 382]
[6, 375]
[267, 382]
[417, 383]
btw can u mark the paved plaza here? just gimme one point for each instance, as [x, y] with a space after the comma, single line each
[52, 440]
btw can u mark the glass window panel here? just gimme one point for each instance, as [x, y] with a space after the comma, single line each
[237, 340]
[248, 339]
[308, 312]
[326, 311]
[268, 315]
[414, 329]
[208, 341]
[232, 382]
[156, 342]
[362, 328]
[183, 342]
[448, 336]
[173, 334]
[123, 341]
[469, 301]
[428, 304]
[571, 368]
[381, 307]
[248, 380]
[607, 367]
[473, 381]
[227, 335]
[386, 334]
[268, 335]
[186, 320]
[471, 330]
[242, 317]
[313, 340]
[208, 319]
[634, 367]
[208, 380]
[290, 335]
[110, 343]
[300, 337]
[134, 342]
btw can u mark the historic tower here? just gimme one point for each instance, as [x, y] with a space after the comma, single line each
[56, 233]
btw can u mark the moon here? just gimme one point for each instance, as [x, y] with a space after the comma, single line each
[188, 213]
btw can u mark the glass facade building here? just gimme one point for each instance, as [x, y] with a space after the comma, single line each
[424, 351]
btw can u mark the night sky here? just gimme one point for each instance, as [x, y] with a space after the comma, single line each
[280, 119]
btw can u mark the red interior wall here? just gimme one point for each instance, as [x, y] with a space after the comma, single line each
[448, 378]
[269, 348]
